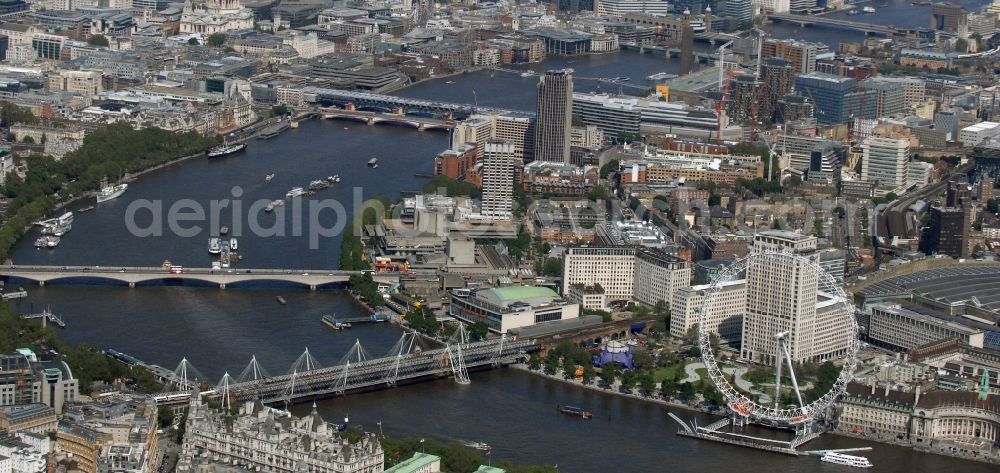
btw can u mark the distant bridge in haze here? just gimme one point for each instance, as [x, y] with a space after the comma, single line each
[810, 20]
[222, 278]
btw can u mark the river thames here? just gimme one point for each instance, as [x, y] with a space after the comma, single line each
[219, 330]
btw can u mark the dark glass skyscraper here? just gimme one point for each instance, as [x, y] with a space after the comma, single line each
[553, 116]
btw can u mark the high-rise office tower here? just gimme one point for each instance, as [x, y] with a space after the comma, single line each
[784, 297]
[947, 232]
[553, 116]
[498, 180]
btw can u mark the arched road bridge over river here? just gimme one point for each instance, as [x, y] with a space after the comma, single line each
[134, 276]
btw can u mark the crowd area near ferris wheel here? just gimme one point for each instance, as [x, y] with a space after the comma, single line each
[779, 338]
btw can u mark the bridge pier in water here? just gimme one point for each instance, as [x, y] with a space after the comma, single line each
[222, 285]
[131, 285]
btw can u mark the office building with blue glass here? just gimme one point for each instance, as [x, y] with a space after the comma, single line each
[837, 99]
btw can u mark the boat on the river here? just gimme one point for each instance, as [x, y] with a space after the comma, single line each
[318, 185]
[483, 446]
[281, 300]
[232, 244]
[269, 177]
[109, 192]
[18, 294]
[214, 246]
[373, 162]
[846, 460]
[295, 192]
[575, 411]
[86, 209]
[868, 9]
[56, 228]
[226, 150]
[273, 205]
[224, 230]
[47, 242]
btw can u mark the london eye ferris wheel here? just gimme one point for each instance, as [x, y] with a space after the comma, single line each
[838, 316]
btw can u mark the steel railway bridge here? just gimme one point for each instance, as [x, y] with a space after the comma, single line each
[307, 380]
[408, 106]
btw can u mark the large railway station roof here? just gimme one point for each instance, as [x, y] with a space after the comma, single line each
[976, 285]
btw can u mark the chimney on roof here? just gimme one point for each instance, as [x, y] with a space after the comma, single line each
[916, 398]
[873, 388]
[887, 385]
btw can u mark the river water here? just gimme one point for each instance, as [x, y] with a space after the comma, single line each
[218, 330]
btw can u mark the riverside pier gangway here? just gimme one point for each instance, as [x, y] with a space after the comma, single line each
[356, 371]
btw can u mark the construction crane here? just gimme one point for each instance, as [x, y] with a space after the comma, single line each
[723, 86]
[760, 46]
[722, 62]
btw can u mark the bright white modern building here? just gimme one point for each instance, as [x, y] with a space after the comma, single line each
[885, 161]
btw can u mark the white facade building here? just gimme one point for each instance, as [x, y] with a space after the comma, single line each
[214, 16]
[622, 7]
[978, 133]
[626, 273]
[478, 129]
[611, 267]
[265, 439]
[772, 6]
[498, 181]
[783, 296]
[657, 276]
[725, 317]
[885, 161]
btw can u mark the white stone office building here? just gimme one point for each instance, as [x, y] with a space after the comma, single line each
[783, 295]
[626, 273]
[725, 317]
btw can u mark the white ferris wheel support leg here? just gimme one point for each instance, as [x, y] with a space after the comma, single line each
[791, 372]
[778, 353]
